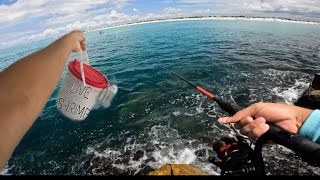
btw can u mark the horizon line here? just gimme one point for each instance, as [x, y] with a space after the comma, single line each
[212, 17]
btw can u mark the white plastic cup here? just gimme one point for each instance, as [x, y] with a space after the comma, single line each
[75, 100]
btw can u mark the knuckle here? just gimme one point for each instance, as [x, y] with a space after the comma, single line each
[260, 120]
[256, 132]
[257, 105]
[242, 121]
[247, 119]
[245, 130]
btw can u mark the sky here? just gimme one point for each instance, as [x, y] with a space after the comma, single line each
[23, 21]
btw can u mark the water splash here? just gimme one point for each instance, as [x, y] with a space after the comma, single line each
[290, 95]
[135, 157]
[5, 170]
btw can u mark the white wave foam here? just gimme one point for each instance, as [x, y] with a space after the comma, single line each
[194, 104]
[200, 109]
[165, 146]
[291, 95]
[5, 170]
[182, 156]
[132, 164]
[176, 113]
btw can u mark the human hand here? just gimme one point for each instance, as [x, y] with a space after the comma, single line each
[76, 41]
[287, 117]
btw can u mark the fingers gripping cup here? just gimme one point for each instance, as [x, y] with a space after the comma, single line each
[75, 100]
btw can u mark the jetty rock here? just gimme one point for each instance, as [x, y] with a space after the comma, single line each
[178, 170]
[311, 97]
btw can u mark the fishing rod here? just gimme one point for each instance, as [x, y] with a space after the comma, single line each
[236, 157]
[231, 108]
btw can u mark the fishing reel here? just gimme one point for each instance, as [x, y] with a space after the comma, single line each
[235, 156]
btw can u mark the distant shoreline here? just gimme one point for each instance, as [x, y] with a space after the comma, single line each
[240, 18]
[261, 19]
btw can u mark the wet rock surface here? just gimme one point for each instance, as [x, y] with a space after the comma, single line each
[311, 97]
[278, 160]
[286, 163]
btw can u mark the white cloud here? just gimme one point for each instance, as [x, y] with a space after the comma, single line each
[113, 14]
[196, 1]
[271, 6]
[25, 8]
[60, 16]
[287, 6]
[91, 21]
[85, 23]
[57, 17]
[202, 12]
[120, 3]
[171, 10]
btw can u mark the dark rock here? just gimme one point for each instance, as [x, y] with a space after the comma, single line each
[144, 171]
[201, 153]
[150, 159]
[122, 160]
[206, 139]
[280, 161]
[128, 152]
[311, 97]
[139, 154]
[316, 82]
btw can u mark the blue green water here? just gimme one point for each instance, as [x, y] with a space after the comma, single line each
[157, 119]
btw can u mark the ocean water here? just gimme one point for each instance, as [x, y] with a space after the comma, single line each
[157, 119]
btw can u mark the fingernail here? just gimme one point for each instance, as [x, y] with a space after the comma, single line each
[222, 120]
[266, 126]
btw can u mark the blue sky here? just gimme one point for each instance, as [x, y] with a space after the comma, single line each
[30, 20]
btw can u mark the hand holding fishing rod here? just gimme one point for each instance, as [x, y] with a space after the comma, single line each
[302, 146]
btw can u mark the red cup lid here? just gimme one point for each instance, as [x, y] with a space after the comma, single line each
[93, 77]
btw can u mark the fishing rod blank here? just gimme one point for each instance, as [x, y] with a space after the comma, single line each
[231, 108]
